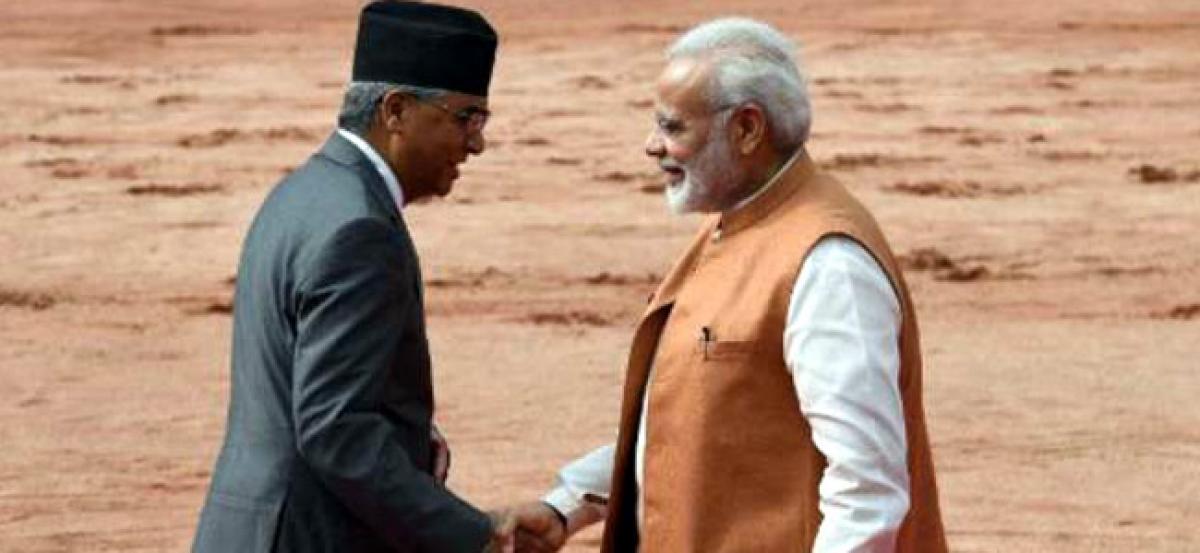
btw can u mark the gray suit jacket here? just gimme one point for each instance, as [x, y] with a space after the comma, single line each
[327, 444]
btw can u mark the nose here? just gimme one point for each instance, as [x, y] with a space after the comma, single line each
[476, 143]
[654, 144]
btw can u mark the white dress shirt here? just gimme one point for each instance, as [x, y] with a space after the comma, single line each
[389, 177]
[841, 345]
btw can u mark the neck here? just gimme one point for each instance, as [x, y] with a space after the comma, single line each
[381, 141]
[761, 170]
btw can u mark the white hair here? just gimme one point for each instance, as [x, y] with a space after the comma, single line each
[752, 62]
[363, 97]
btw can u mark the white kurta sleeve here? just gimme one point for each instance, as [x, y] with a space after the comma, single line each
[841, 344]
[590, 474]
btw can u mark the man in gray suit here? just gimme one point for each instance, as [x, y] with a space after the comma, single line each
[329, 443]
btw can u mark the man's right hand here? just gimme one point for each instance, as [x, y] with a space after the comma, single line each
[540, 529]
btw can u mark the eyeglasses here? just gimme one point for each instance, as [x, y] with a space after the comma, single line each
[471, 118]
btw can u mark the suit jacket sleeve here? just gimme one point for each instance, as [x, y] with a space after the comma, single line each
[353, 299]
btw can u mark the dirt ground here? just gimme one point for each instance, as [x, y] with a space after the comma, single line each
[1035, 162]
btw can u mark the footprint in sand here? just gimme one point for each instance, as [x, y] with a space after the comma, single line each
[174, 190]
[856, 161]
[1153, 174]
[200, 31]
[953, 189]
[533, 141]
[1185, 312]
[20, 299]
[944, 268]
[591, 82]
[567, 318]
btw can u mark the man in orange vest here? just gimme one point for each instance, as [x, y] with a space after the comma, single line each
[772, 397]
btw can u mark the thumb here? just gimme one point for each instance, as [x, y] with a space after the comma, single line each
[504, 524]
[506, 534]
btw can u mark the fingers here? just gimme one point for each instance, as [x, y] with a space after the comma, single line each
[527, 542]
[504, 526]
[542, 526]
[589, 514]
[441, 464]
[441, 455]
[528, 528]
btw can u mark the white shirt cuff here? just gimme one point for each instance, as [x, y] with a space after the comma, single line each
[564, 500]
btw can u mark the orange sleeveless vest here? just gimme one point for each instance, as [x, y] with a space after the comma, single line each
[730, 464]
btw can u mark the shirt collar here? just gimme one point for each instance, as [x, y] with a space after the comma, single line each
[389, 177]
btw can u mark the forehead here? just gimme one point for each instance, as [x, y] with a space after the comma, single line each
[682, 87]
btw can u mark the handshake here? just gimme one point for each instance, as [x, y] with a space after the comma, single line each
[536, 527]
[533, 527]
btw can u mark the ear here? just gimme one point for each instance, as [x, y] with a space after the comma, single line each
[749, 125]
[393, 108]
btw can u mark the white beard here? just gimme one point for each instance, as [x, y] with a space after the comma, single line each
[705, 178]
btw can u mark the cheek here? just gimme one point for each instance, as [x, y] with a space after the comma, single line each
[450, 145]
[436, 149]
[679, 151]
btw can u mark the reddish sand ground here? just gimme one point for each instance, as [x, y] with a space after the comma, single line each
[1034, 161]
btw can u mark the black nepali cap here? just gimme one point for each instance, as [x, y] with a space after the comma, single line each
[427, 45]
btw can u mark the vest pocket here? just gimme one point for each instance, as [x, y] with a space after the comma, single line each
[719, 350]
